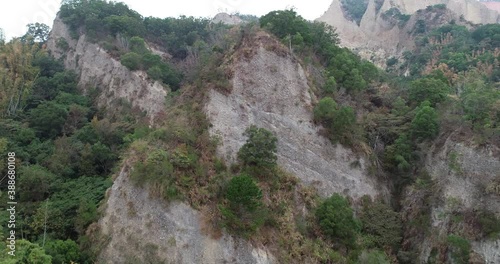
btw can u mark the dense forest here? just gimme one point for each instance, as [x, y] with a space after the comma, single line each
[67, 149]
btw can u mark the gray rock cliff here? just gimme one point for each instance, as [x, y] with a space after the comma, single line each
[272, 91]
[97, 69]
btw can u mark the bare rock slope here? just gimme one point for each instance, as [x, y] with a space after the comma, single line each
[145, 230]
[462, 173]
[272, 91]
[97, 69]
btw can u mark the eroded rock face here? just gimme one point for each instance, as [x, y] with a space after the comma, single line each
[464, 172]
[377, 38]
[147, 230]
[98, 69]
[227, 19]
[461, 174]
[272, 92]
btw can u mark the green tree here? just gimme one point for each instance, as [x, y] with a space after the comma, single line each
[63, 251]
[151, 60]
[325, 111]
[285, 22]
[37, 180]
[399, 107]
[330, 85]
[260, 148]
[48, 119]
[37, 32]
[155, 73]
[26, 253]
[425, 124]
[243, 192]
[488, 33]
[137, 45]
[382, 223]
[354, 81]
[399, 155]
[429, 89]
[245, 213]
[132, 61]
[17, 75]
[340, 122]
[344, 122]
[337, 222]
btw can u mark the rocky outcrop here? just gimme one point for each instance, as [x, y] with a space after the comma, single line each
[98, 69]
[144, 229]
[272, 91]
[227, 19]
[471, 10]
[378, 38]
[461, 174]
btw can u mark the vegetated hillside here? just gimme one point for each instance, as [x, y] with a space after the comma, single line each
[379, 29]
[65, 150]
[273, 144]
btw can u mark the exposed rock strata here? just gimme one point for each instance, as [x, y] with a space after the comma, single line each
[97, 69]
[272, 91]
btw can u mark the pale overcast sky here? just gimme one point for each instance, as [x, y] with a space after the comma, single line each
[16, 14]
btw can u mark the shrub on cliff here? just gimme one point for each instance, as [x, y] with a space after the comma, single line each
[259, 149]
[336, 219]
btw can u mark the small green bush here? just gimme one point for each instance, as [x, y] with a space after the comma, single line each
[460, 249]
[245, 213]
[382, 223]
[340, 122]
[63, 251]
[156, 170]
[242, 191]
[425, 124]
[337, 222]
[430, 89]
[137, 45]
[330, 85]
[260, 148]
[490, 224]
[132, 61]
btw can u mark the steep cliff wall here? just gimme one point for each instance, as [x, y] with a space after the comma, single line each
[461, 174]
[98, 69]
[143, 229]
[378, 38]
[272, 91]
